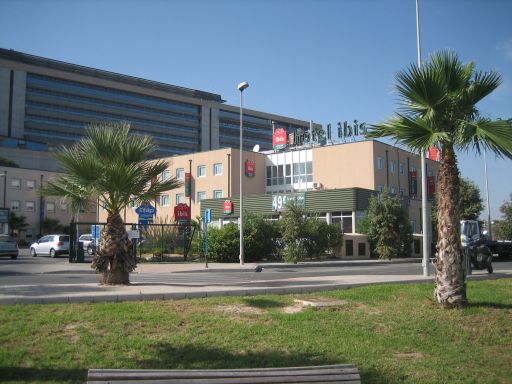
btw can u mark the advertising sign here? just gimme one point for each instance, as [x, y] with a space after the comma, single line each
[279, 201]
[146, 212]
[95, 231]
[434, 154]
[228, 207]
[279, 138]
[413, 183]
[181, 212]
[250, 168]
[207, 215]
[431, 187]
[188, 184]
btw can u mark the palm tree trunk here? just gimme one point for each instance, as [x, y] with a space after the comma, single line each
[450, 285]
[114, 259]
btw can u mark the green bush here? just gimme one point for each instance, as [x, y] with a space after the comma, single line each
[224, 244]
[260, 238]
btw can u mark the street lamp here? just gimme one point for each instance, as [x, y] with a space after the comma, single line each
[241, 88]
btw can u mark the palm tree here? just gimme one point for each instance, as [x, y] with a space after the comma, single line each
[438, 109]
[112, 166]
[17, 224]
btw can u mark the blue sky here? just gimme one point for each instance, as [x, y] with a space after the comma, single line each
[323, 60]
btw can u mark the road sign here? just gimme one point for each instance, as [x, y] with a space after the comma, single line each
[95, 231]
[207, 215]
[146, 212]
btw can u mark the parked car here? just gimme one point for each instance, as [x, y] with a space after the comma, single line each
[89, 243]
[51, 245]
[8, 247]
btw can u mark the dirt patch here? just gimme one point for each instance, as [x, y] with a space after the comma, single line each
[291, 309]
[239, 309]
[409, 355]
[70, 332]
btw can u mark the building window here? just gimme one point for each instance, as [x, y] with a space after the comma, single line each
[269, 175]
[380, 163]
[413, 168]
[303, 172]
[15, 205]
[166, 174]
[393, 166]
[201, 195]
[180, 198]
[165, 200]
[50, 207]
[15, 183]
[402, 168]
[413, 226]
[217, 169]
[30, 206]
[201, 171]
[393, 190]
[401, 191]
[29, 233]
[361, 249]
[217, 194]
[380, 188]
[349, 247]
[63, 207]
[31, 184]
[180, 173]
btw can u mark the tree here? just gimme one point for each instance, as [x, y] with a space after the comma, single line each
[8, 162]
[52, 226]
[294, 233]
[113, 166]
[503, 228]
[16, 223]
[439, 110]
[387, 226]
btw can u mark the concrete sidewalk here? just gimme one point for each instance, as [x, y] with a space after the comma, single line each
[154, 290]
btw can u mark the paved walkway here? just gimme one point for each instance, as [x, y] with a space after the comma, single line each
[93, 292]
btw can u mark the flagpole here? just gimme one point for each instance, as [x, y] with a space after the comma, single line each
[424, 204]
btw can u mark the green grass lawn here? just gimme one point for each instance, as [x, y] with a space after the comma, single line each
[393, 333]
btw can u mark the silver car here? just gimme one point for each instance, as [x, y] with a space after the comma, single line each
[8, 247]
[51, 245]
[89, 243]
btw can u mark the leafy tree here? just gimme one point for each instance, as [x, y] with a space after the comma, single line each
[294, 233]
[322, 237]
[8, 162]
[52, 226]
[387, 226]
[260, 237]
[17, 223]
[439, 110]
[113, 166]
[503, 228]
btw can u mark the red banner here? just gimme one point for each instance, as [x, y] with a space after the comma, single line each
[182, 212]
[188, 184]
[434, 154]
[431, 187]
[279, 138]
[228, 207]
[413, 183]
[250, 168]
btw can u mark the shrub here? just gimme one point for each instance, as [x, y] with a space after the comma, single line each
[260, 238]
[224, 244]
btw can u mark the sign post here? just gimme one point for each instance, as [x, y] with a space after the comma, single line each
[207, 220]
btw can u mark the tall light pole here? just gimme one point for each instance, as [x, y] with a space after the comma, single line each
[241, 88]
[489, 229]
[424, 204]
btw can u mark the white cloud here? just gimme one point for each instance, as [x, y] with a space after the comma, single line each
[506, 48]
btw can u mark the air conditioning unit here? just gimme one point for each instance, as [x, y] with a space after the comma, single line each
[317, 185]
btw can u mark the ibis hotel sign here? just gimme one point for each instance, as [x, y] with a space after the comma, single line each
[279, 138]
[250, 168]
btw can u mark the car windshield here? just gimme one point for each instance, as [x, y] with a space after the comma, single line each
[6, 239]
[63, 238]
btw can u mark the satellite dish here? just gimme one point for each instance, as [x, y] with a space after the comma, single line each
[256, 148]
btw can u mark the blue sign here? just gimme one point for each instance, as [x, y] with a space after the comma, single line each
[146, 212]
[4, 215]
[207, 215]
[95, 231]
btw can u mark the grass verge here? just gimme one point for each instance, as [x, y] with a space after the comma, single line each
[394, 333]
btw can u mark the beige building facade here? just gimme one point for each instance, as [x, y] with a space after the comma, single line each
[337, 181]
[19, 192]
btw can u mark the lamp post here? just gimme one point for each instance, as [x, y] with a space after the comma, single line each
[424, 204]
[489, 229]
[241, 88]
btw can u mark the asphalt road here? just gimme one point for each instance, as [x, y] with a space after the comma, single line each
[28, 270]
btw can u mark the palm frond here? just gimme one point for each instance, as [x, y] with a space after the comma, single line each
[495, 136]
